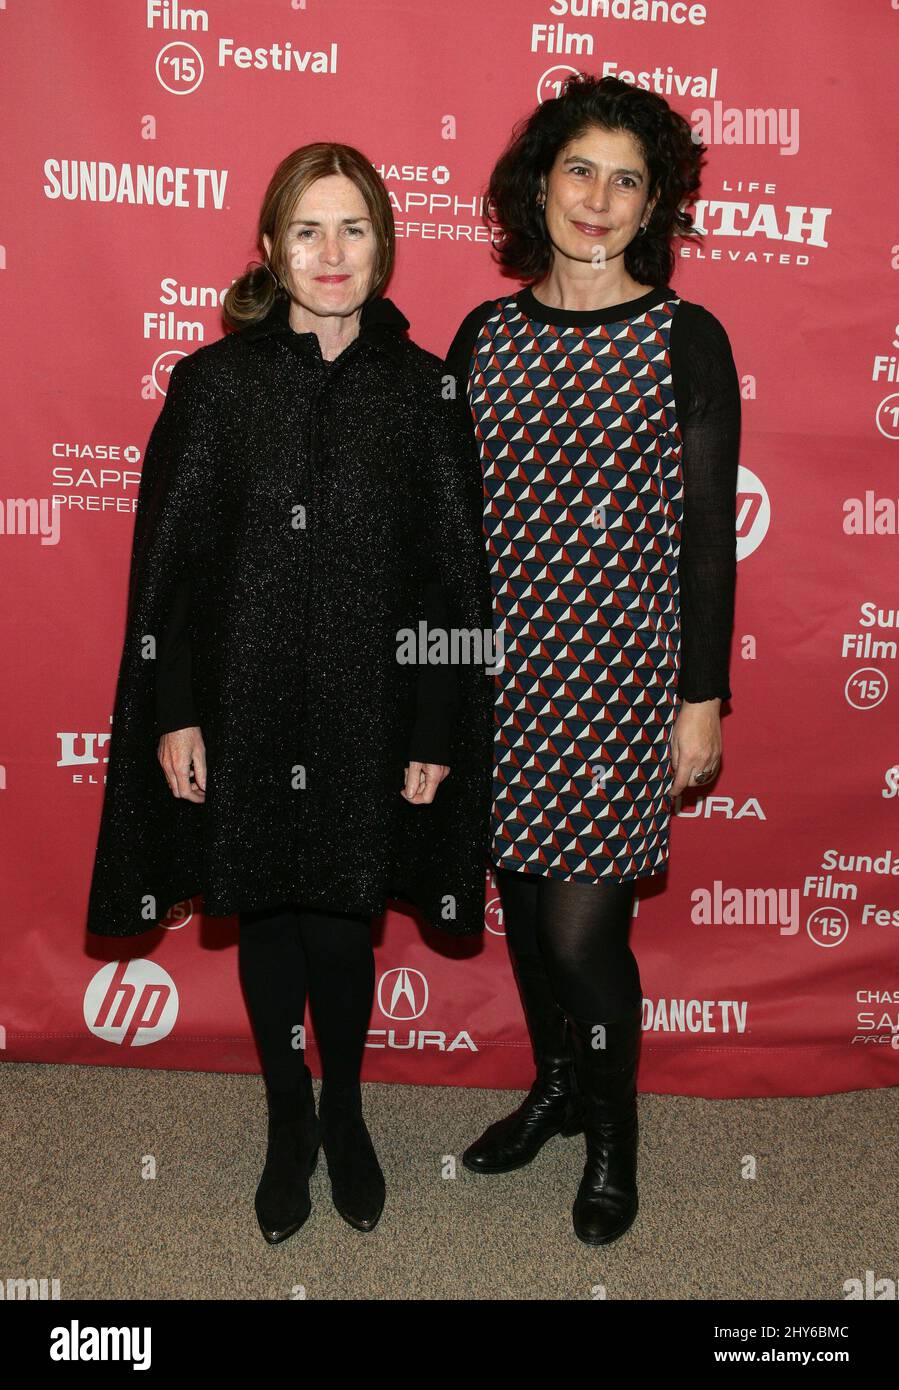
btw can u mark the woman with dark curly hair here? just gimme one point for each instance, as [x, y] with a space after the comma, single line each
[607, 414]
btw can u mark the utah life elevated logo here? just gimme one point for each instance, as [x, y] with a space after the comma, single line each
[82, 753]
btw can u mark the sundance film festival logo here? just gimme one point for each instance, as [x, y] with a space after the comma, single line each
[131, 1003]
[827, 926]
[179, 65]
[866, 688]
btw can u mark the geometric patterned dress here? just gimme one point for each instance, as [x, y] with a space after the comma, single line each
[609, 442]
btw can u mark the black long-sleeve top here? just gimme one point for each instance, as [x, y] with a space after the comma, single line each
[708, 408]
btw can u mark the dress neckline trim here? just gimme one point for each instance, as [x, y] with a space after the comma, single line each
[529, 305]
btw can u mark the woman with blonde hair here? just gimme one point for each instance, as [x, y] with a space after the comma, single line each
[308, 496]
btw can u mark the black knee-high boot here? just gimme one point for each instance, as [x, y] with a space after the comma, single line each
[550, 1106]
[606, 1057]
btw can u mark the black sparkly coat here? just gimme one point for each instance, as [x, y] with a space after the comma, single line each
[310, 507]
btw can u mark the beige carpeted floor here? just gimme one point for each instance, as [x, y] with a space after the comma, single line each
[75, 1206]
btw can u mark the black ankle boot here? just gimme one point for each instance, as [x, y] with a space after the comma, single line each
[606, 1202]
[283, 1203]
[357, 1183]
[550, 1106]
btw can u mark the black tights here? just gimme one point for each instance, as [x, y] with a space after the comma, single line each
[286, 953]
[579, 932]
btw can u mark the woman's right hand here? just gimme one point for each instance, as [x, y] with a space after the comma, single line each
[177, 751]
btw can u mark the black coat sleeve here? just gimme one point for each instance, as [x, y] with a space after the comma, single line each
[175, 708]
[707, 401]
[437, 690]
[177, 474]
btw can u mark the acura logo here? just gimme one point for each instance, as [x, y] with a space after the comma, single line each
[402, 994]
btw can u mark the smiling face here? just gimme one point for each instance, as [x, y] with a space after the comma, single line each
[330, 247]
[597, 195]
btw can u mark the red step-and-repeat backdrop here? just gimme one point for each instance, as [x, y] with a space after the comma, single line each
[139, 136]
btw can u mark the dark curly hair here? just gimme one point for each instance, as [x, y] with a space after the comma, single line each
[666, 143]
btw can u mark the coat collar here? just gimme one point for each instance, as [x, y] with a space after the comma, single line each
[380, 323]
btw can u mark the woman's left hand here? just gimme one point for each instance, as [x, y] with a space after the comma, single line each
[695, 744]
[422, 781]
